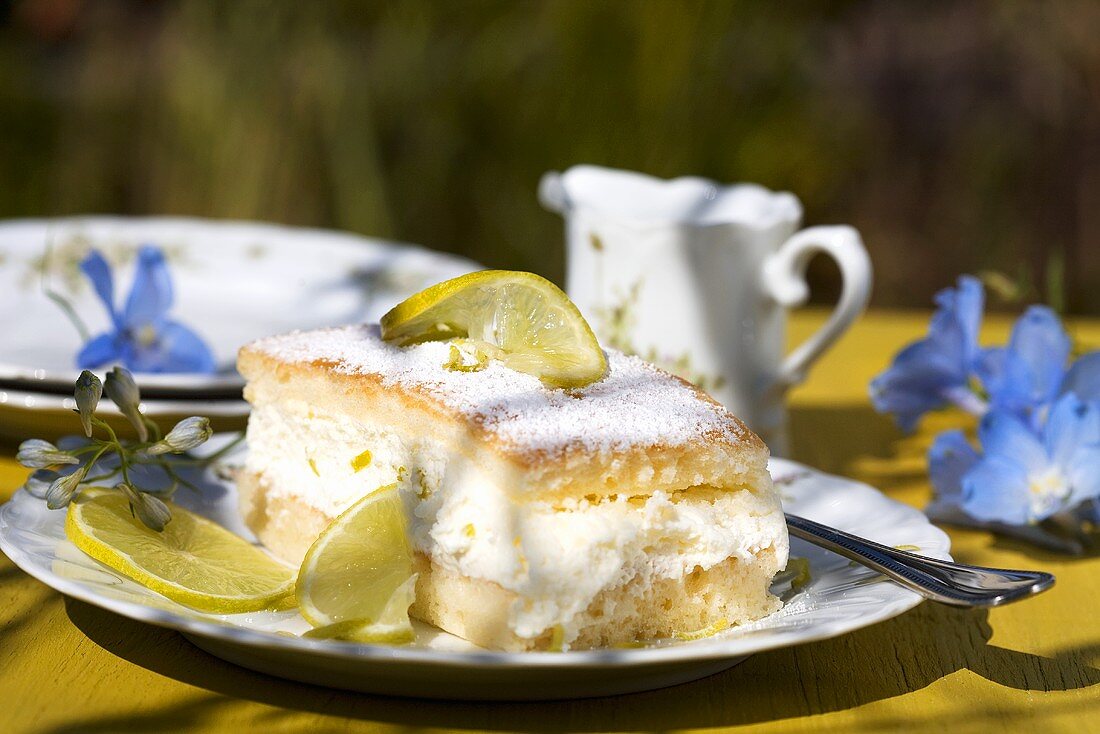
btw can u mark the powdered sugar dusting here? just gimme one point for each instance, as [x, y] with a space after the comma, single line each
[634, 405]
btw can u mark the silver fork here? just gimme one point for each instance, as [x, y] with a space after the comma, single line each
[950, 583]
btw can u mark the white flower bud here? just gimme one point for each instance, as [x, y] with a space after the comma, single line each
[61, 492]
[186, 435]
[152, 512]
[87, 393]
[34, 453]
[123, 391]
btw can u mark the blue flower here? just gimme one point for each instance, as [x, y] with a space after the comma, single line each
[936, 370]
[142, 337]
[1022, 477]
[1026, 376]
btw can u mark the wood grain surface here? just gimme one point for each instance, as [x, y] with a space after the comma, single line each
[66, 666]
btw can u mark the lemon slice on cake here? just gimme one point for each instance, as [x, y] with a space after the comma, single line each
[193, 561]
[522, 319]
[357, 581]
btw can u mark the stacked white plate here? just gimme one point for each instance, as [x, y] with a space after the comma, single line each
[233, 282]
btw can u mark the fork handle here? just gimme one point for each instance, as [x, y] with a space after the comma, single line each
[944, 581]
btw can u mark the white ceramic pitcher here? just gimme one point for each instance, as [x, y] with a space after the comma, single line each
[697, 277]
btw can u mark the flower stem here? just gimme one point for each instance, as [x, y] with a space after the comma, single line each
[69, 311]
[100, 477]
[192, 460]
[63, 303]
[86, 448]
[110, 431]
[91, 462]
[154, 429]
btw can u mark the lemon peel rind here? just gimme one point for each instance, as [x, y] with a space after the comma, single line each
[400, 325]
[302, 583]
[393, 626]
[121, 562]
[358, 630]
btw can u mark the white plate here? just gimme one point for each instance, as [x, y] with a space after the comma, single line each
[840, 598]
[234, 282]
[29, 413]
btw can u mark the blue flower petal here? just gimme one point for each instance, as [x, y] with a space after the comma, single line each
[1082, 471]
[176, 349]
[1083, 377]
[1004, 379]
[960, 308]
[98, 271]
[1005, 436]
[906, 405]
[1071, 425]
[924, 373]
[1032, 367]
[996, 490]
[1073, 441]
[151, 294]
[99, 351]
[916, 382]
[1039, 339]
[949, 459]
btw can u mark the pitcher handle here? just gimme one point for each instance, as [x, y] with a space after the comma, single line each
[784, 279]
[552, 194]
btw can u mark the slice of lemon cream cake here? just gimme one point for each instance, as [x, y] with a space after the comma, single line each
[633, 509]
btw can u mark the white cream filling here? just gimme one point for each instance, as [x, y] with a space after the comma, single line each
[555, 559]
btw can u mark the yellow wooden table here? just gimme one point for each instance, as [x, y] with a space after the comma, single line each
[66, 666]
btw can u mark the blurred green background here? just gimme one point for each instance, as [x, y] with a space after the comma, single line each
[956, 136]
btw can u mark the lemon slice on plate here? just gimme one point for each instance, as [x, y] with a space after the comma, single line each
[521, 319]
[193, 561]
[357, 581]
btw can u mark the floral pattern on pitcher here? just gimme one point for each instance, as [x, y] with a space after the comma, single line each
[617, 322]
